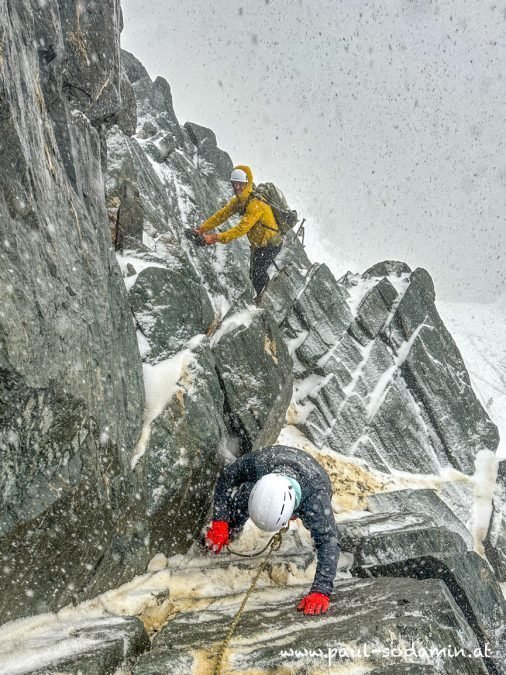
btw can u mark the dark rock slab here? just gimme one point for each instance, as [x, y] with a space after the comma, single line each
[385, 538]
[396, 392]
[171, 306]
[91, 71]
[183, 457]
[126, 117]
[435, 373]
[458, 495]
[322, 311]
[90, 539]
[97, 646]
[398, 426]
[218, 161]
[130, 177]
[387, 268]
[282, 290]
[374, 311]
[133, 67]
[471, 582]
[154, 102]
[255, 370]
[495, 541]
[293, 251]
[71, 390]
[420, 501]
[367, 619]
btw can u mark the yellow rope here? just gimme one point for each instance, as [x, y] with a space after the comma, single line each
[275, 543]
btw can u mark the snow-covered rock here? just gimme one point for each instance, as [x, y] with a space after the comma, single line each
[374, 625]
[391, 386]
[420, 501]
[471, 582]
[495, 542]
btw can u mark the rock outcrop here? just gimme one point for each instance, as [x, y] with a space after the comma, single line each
[495, 542]
[356, 633]
[378, 376]
[71, 390]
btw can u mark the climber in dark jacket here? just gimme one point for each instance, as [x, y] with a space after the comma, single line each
[275, 484]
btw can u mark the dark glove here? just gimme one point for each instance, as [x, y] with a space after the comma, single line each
[217, 536]
[195, 237]
[210, 239]
[314, 603]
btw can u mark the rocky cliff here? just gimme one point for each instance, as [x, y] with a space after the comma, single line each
[71, 378]
[134, 364]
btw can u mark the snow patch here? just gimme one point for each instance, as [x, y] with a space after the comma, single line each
[30, 645]
[161, 384]
[360, 288]
[242, 319]
[377, 396]
[484, 478]
[138, 264]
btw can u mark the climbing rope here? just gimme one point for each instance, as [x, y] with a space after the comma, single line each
[274, 543]
[254, 555]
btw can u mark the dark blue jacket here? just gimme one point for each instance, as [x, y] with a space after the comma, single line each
[315, 508]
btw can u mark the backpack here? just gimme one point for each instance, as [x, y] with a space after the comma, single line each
[271, 195]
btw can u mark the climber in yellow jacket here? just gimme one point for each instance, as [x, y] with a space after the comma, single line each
[257, 222]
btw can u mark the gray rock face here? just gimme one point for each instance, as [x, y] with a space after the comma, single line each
[210, 159]
[383, 538]
[189, 183]
[126, 117]
[387, 268]
[420, 501]
[90, 645]
[434, 371]
[183, 456]
[113, 642]
[255, 370]
[197, 291]
[384, 383]
[471, 582]
[91, 70]
[133, 67]
[367, 620]
[374, 311]
[495, 542]
[171, 306]
[71, 391]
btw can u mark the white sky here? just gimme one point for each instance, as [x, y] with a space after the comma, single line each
[382, 121]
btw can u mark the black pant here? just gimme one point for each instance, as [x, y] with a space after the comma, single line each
[261, 259]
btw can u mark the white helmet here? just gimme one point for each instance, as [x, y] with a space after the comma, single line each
[271, 502]
[238, 176]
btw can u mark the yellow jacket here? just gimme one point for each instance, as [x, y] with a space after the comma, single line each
[258, 221]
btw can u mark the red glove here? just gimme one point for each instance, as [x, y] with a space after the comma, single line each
[199, 230]
[314, 603]
[217, 536]
[210, 238]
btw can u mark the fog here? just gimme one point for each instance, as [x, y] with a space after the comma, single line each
[383, 122]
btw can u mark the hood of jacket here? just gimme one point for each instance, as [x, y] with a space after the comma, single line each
[249, 187]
